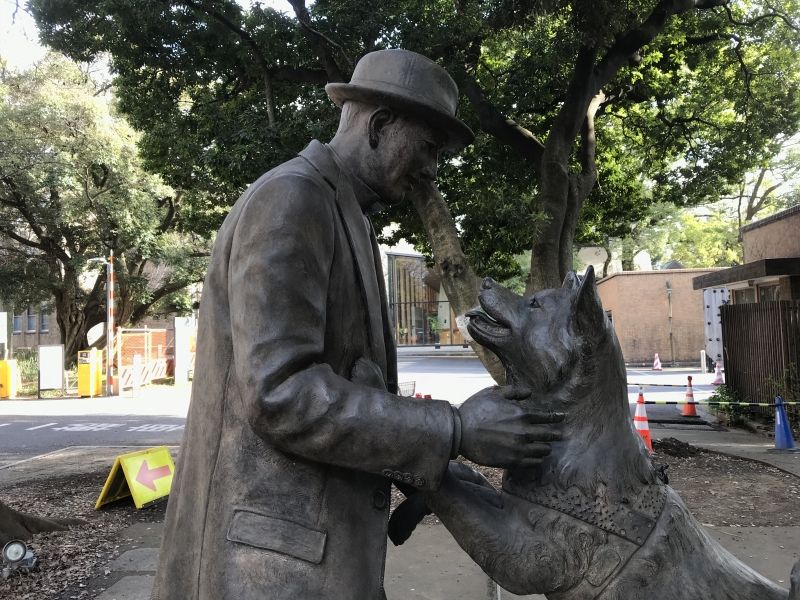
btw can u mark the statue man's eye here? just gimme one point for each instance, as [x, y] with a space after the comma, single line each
[535, 303]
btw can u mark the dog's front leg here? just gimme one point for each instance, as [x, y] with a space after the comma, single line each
[501, 534]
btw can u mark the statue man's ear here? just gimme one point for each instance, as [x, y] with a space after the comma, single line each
[380, 118]
[589, 314]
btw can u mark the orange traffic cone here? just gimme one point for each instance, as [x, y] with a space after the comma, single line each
[640, 421]
[718, 380]
[656, 363]
[688, 408]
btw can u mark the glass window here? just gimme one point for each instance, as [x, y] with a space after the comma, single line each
[769, 293]
[17, 324]
[44, 320]
[31, 319]
[744, 296]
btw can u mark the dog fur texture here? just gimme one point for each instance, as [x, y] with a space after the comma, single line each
[594, 520]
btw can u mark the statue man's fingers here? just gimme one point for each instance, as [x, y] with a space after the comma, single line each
[538, 416]
[516, 392]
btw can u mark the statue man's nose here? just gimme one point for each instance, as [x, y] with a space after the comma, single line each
[487, 283]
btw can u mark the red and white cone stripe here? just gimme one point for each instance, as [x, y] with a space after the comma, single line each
[657, 363]
[641, 423]
[688, 408]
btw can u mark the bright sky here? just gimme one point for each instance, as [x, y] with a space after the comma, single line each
[19, 39]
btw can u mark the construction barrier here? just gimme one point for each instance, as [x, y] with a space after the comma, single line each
[715, 403]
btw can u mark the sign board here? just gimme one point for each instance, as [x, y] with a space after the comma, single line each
[51, 367]
[145, 476]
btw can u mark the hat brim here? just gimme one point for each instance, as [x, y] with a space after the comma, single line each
[458, 135]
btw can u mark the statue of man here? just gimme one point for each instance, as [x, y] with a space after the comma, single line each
[295, 432]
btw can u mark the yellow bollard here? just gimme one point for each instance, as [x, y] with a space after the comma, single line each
[90, 374]
[9, 376]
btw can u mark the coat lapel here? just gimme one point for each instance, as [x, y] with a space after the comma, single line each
[359, 234]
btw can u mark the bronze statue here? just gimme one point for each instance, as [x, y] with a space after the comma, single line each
[595, 520]
[295, 432]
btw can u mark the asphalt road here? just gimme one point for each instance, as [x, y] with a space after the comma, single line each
[26, 436]
[43, 427]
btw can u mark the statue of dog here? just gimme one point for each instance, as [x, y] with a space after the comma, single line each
[594, 520]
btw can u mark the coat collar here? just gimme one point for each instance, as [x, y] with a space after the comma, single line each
[364, 247]
[329, 165]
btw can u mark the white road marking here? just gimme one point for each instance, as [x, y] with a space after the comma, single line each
[156, 427]
[87, 427]
[41, 426]
[4, 424]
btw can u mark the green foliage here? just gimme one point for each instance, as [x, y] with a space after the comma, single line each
[684, 119]
[72, 188]
[734, 413]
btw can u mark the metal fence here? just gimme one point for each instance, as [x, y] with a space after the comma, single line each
[762, 350]
[424, 323]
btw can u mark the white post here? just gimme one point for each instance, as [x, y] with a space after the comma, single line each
[110, 324]
[702, 361]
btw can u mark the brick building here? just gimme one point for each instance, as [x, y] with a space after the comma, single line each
[656, 312]
[771, 269]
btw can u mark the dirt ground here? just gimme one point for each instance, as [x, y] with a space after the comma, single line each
[718, 489]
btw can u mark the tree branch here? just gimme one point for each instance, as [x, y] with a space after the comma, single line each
[320, 41]
[632, 41]
[504, 129]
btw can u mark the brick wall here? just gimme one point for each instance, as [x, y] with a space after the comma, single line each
[776, 236]
[639, 310]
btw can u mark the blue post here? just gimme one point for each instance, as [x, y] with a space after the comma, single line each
[783, 433]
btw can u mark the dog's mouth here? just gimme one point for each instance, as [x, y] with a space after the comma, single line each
[485, 327]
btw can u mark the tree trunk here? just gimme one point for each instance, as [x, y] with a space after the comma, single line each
[15, 525]
[75, 317]
[628, 253]
[460, 282]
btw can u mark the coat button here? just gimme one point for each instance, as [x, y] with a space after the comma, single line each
[379, 499]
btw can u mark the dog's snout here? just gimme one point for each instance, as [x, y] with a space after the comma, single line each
[487, 283]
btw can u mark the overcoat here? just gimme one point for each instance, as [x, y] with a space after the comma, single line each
[282, 486]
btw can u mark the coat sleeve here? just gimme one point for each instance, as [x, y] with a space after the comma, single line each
[280, 264]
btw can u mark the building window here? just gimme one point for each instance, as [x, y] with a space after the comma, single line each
[31, 320]
[17, 324]
[744, 296]
[44, 321]
[769, 293]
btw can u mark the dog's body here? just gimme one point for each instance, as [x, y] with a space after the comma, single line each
[594, 521]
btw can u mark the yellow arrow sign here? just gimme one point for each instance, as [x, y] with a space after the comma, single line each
[145, 475]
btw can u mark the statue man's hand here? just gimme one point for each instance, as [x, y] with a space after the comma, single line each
[498, 431]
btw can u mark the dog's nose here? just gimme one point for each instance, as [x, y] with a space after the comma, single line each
[487, 283]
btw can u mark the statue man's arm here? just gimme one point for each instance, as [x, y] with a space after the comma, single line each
[280, 264]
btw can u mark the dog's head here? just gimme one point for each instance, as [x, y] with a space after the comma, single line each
[540, 338]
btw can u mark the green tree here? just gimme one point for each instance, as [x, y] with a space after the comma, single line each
[72, 188]
[680, 95]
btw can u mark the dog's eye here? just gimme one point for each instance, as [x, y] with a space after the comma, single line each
[534, 303]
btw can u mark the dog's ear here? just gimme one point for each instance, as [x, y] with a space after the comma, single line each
[589, 314]
[570, 281]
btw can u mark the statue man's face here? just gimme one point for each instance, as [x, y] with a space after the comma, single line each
[406, 155]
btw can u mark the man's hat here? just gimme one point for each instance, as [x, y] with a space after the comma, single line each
[409, 83]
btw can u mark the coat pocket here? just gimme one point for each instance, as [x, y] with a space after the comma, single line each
[279, 535]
